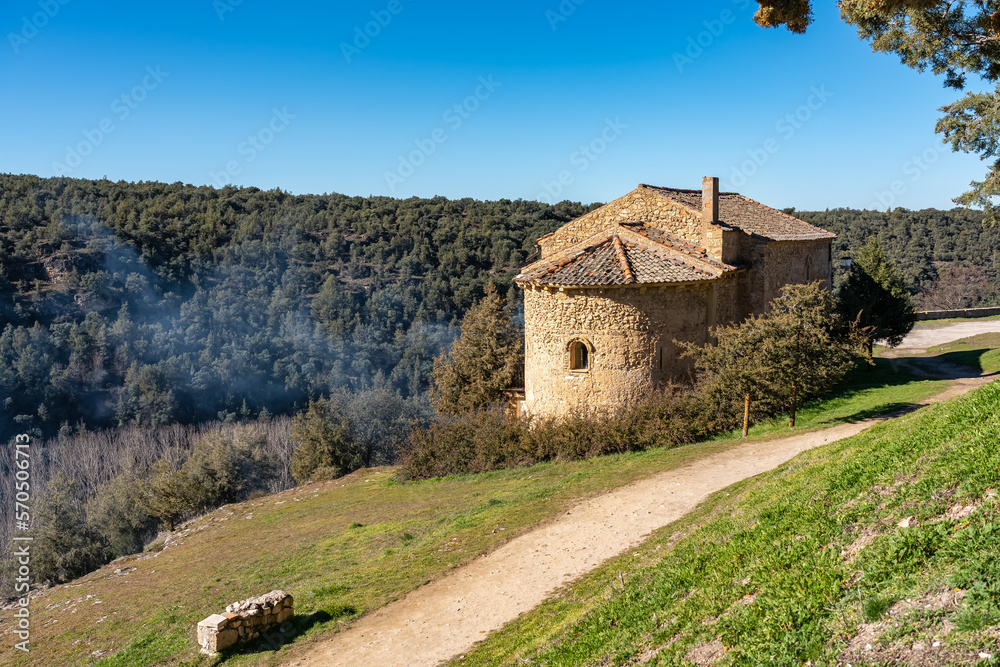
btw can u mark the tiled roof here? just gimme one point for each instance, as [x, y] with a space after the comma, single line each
[748, 215]
[629, 254]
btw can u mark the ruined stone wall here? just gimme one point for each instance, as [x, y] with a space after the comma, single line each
[630, 333]
[640, 205]
[244, 621]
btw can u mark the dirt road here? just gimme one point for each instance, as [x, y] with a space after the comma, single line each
[446, 617]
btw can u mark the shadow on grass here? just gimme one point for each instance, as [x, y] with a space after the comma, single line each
[886, 410]
[287, 632]
[967, 358]
[885, 373]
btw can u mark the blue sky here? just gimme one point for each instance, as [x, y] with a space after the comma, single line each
[537, 100]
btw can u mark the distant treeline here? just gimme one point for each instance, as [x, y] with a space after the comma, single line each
[948, 259]
[152, 304]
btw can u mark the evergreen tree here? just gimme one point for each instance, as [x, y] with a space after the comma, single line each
[170, 495]
[809, 353]
[875, 301]
[64, 546]
[325, 448]
[793, 353]
[736, 366]
[485, 360]
[117, 513]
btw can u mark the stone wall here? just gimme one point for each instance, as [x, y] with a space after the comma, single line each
[957, 313]
[640, 205]
[629, 332]
[771, 266]
[244, 621]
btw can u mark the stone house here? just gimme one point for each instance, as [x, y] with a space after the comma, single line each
[613, 289]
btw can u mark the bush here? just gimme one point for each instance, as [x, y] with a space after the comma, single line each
[64, 546]
[118, 514]
[323, 445]
[489, 440]
[226, 466]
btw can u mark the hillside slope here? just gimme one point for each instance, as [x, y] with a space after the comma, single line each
[879, 549]
[346, 547]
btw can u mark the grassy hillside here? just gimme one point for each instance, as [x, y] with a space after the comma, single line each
[980, 352]
[342, 548]
[875, 550]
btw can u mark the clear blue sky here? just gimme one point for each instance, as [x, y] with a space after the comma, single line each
[265, 94]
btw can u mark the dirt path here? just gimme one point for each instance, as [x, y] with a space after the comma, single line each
[446, 617]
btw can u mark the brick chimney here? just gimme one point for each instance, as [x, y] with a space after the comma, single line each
[710, 199]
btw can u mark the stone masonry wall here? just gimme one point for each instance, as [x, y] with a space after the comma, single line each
[776, 264]
[630, 333]
[639, 205]
[244, 621]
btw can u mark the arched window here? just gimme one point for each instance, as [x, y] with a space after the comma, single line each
[809, 269]
[579, 356]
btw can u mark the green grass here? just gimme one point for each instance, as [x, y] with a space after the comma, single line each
[979, 352]
[350, 546]
[864, 393]
[759, 566]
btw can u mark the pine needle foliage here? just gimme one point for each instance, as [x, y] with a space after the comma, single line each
[485, 360]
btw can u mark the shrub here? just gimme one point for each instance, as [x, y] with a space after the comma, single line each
[488, 440]
[323, 445]
[171, 495]
[118, 514]
[64, 546]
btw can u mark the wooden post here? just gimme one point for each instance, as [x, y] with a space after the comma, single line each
[791, 411]
[746, 416]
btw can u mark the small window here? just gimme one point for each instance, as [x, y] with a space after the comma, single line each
[579, 356]
[809, 269]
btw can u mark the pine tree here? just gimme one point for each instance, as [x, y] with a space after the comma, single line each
[325, 448]
[484, 361]
[875, 300]
[809, 356]
[63, 546]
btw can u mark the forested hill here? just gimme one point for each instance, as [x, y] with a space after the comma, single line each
[947, 257]
[148, 303]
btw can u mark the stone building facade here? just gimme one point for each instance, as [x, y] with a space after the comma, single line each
[612, 290]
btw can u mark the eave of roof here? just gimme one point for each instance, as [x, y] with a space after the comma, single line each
[625, 254]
